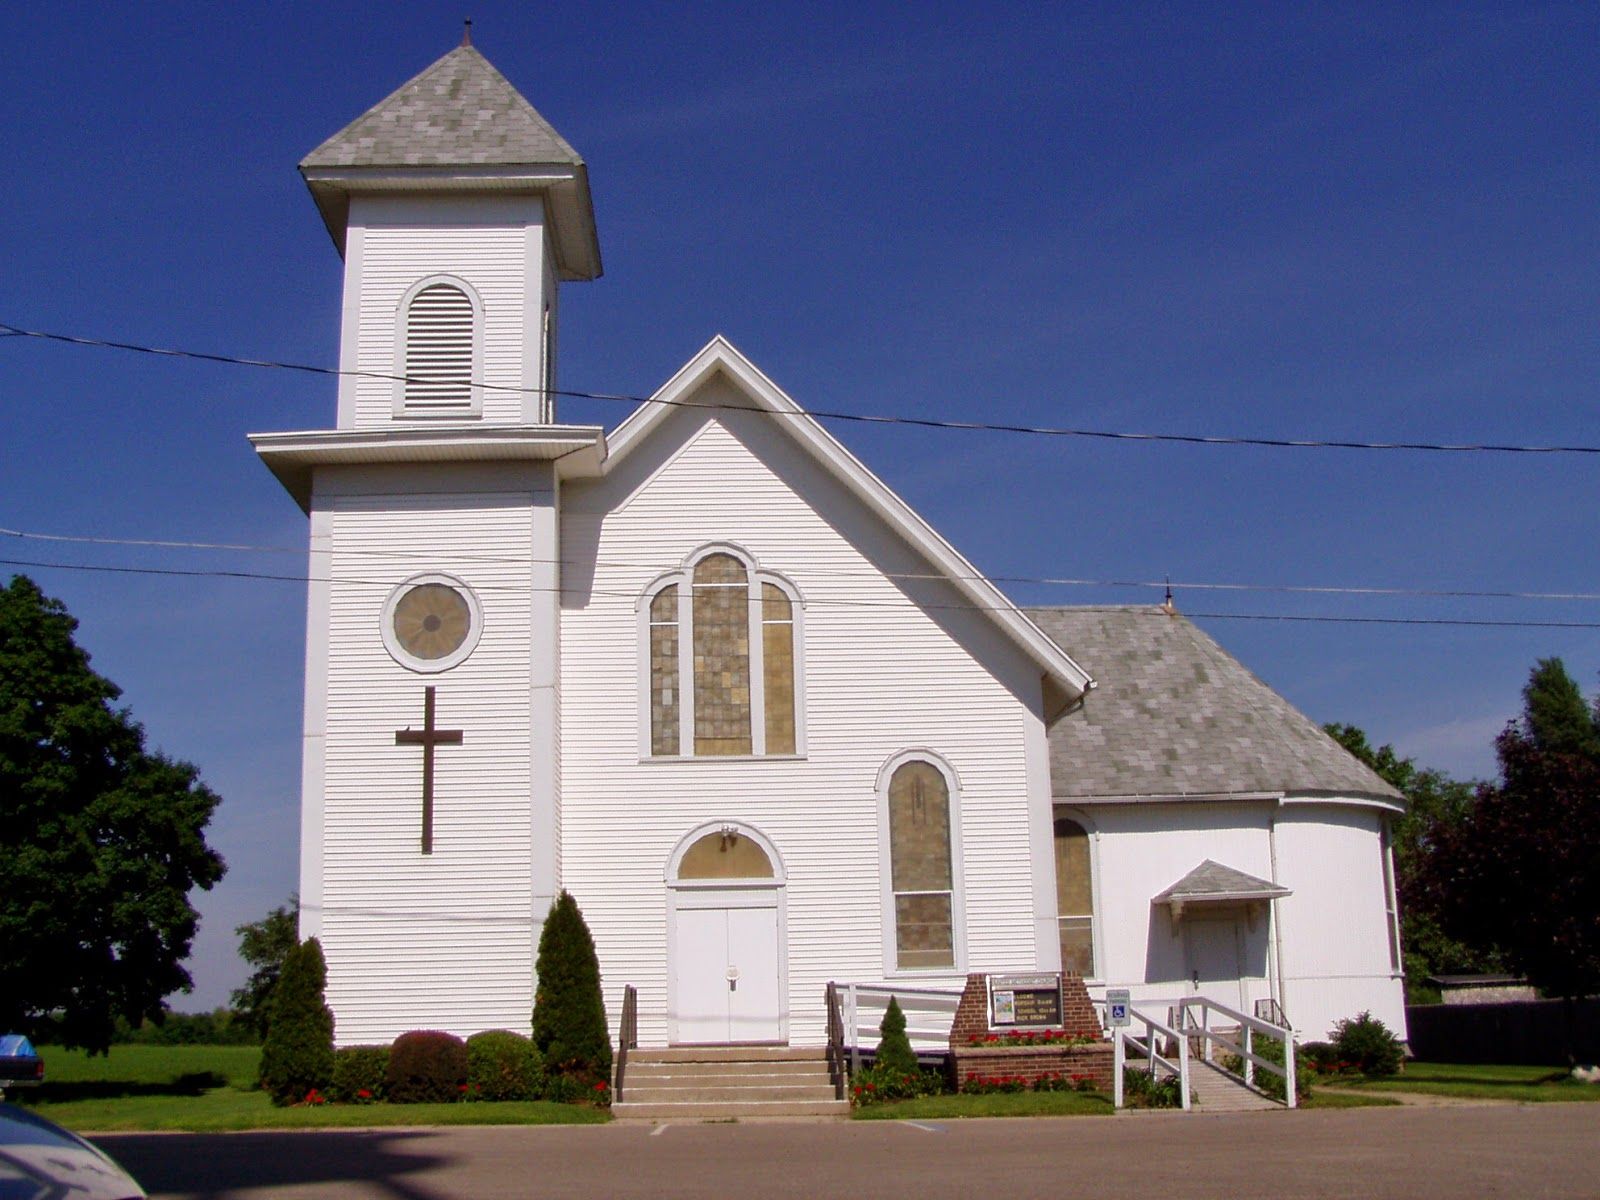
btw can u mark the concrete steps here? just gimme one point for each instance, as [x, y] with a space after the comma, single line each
[708, 1083]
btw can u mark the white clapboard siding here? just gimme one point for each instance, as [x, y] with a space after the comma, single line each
[437, 941]
[880, 677]
[1331, 929]
[488, 245]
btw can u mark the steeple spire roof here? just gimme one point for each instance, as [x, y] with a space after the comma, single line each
[458, 112]
[459, 126]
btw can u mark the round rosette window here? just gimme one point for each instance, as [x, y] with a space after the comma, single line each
[431, 623]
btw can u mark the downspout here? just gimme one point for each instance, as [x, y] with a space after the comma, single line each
[1277, 920]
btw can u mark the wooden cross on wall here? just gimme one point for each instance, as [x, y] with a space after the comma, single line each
[427, 737]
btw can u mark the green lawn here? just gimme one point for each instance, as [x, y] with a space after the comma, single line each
[1003, 1104]
[212, 1088]
[1511, 1083]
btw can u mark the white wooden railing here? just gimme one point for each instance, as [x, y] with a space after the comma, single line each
[1185, 1019]
[1123, 1039]
[929, 1014]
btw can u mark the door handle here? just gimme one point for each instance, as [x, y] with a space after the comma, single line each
[733, 978]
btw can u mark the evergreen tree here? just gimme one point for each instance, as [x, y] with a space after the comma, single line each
[297, 1055]
[895, 1054]
[569, 1015]
[1555, 718]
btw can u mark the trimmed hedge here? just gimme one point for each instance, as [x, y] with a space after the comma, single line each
[359, 1074]
[426, 1067]
[297, 1056]
[502, 1065]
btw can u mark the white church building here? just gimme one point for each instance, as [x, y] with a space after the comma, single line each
[707, 673]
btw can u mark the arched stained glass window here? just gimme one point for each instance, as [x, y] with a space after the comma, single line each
[1074, 897]
[742, 630]
[725, 856]
[920, 867]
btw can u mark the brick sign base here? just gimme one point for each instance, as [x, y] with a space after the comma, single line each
[1028, 1063]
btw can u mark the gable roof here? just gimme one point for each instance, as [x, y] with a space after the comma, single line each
[1175, 715]
[1064, 679]
[1213, 881]
[458, 112]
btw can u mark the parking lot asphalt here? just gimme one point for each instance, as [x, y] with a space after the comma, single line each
[1546, 1150]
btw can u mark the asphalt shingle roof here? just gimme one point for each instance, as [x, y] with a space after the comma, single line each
[1176, 715]
[459, 112]
[1212, 880]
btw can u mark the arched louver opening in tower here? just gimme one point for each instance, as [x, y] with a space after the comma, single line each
[438, 356]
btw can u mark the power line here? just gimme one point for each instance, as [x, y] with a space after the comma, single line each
[834, 414]
[814, 602]
[1060, 581]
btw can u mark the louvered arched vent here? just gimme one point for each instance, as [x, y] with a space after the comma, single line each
[438, 357]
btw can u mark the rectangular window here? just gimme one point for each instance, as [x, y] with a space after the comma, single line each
[1390, 905]
[777, 666]
[664, 705]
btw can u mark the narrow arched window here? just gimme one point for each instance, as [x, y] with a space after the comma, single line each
[721, 614]
[1074, 897]
[438, 340]
[920, 870]
[723, 661]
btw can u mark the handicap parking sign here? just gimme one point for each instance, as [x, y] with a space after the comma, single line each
[1117, 1005]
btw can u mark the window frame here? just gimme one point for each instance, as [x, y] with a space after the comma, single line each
[755, 577]
[1061, 812]
[958, 920]
[402, 410]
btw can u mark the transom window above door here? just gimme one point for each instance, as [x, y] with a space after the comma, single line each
[722, 660]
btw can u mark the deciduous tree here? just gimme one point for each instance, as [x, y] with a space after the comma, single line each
[264, 944]
[101, 840]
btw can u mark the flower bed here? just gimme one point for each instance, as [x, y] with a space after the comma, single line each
[1026, 1066]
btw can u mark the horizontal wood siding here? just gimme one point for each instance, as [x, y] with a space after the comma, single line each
[438, 941]
[489, 245]
[881, 676]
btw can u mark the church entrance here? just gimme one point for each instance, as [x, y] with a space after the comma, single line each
[1216, 959]
[726, 939]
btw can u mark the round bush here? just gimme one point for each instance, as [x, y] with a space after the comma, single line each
[1366, 1043]
[426, 1067]
[502, 1065]
[358, 1074]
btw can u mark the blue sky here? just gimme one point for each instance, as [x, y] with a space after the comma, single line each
[1342, 222]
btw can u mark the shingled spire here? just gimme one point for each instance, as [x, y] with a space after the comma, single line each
[460, 123]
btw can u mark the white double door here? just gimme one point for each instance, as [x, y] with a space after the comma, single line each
[726, 966]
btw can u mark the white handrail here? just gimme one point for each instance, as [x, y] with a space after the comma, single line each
[1249, 1027]
[929, 1013]
[1121, 1039]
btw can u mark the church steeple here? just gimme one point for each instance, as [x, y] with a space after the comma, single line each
[458, 210]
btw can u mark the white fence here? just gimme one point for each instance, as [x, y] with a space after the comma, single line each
[929, 1014]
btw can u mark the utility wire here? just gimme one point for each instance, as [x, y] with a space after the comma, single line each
[810, 603]
[836, 415]
[1059, 581]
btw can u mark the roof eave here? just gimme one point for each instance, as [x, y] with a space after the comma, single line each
[564, 187]
[1064, 681]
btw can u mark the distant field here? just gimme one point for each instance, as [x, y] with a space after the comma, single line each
[1515, 1084]
[212, 1088]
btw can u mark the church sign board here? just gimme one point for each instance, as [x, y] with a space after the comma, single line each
[1025, 1001]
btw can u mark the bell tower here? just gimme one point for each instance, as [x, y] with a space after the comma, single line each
[431, 788]
[459, 211]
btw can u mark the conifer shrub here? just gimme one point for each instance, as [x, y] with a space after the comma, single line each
[894, 1047]
[569, 1015]
[297, 1056]
[1367, 1044]
[358, 1074]
[426, 1066]
[502, 1065]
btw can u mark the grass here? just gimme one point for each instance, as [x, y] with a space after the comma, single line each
[1516, 1084]
[1000, 1104]
[207, 1089]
